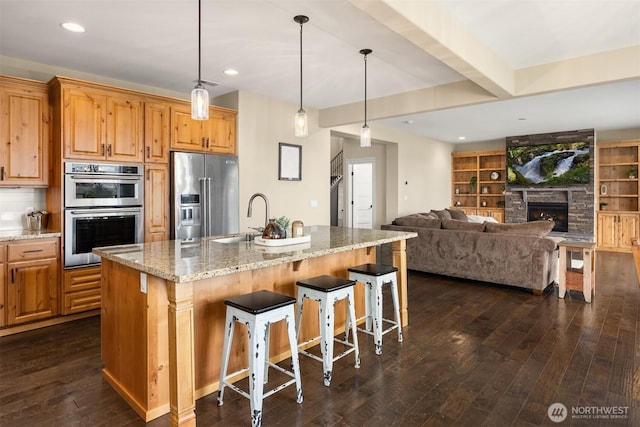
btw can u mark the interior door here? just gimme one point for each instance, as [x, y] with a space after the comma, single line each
[361, 203]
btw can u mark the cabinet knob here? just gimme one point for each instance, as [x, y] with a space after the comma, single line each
[109, 151]
[2, 173]
[102, 145]
[148, 152]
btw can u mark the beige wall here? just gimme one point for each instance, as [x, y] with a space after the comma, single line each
[262, 124]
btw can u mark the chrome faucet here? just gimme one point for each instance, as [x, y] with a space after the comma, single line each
[266, 212]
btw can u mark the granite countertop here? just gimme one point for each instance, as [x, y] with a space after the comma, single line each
[197, 259]
[9, 235]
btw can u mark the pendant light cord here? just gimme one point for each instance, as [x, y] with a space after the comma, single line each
[199, 41]
[301, 22]
[365, 89]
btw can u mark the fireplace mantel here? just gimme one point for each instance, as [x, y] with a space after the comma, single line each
[569, 190]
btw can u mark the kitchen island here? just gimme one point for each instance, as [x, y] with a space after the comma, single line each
[163, 307]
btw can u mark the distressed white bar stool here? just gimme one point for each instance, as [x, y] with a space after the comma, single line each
[258, 310]
[374, 276]
[327, 290]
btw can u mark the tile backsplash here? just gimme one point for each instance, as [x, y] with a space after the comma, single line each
[16, 202]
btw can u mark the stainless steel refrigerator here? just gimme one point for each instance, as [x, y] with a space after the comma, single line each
[204, 195]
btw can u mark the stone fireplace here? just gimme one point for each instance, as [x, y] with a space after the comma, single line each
[578, 199]
[558, 213]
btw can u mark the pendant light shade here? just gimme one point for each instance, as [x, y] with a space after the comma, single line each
[365, 132]
[199, 95]
[301, 121]
[199, 103]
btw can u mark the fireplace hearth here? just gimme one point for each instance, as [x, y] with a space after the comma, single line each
[558, 213]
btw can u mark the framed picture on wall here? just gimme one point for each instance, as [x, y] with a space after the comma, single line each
[290, 162]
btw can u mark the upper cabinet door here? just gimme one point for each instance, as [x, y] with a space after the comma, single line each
[98, 125]
[84, 127]
[125, 131]
[186, 133]
[24, 124]
[157, 132]
[216, 135]
[221, 131]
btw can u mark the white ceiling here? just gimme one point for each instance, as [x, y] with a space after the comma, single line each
[154, 42]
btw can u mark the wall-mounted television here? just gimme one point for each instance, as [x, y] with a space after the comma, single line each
[548, 164]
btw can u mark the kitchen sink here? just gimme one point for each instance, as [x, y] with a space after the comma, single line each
[235, 239]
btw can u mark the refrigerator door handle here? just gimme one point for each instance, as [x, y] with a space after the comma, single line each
[204, 194]
[205, 190]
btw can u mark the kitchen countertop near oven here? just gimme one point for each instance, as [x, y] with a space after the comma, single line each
[9, 235]
[197, 259]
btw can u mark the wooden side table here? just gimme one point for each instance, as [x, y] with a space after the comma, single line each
[577, 273]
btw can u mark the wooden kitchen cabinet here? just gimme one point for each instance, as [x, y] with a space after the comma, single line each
[32, 280]
[157, 132]
[24, 124]
[216, 135]
[3, 285]
[81, 289]
[616, 230]
[98, 123]
[156, 202]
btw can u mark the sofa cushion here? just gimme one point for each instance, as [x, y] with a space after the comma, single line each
[533, 228]
[443, 214]
[417, 221]
[457, 214]
[454, 224]
[431, 215]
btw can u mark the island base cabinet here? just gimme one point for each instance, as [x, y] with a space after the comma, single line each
[135, 324]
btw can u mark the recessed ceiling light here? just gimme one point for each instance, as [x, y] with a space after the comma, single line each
[73, 27]
[407, 122]
[522, 118]
[231, 72]
[462, 138]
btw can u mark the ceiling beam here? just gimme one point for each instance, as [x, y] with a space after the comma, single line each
[430, 27]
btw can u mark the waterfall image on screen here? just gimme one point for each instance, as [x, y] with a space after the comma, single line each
[548, 164]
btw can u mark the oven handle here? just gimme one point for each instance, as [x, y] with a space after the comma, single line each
[93, 178]
[98, 212]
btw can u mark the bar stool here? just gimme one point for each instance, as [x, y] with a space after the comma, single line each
[374, 276]
[327, 290]
[258, 310]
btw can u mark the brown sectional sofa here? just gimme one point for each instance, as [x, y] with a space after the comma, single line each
[520, 255]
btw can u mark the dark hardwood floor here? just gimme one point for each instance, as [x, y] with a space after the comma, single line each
[473, 355]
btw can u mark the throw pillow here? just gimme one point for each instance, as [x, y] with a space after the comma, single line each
[443, 214]
[429, 215]
[417, 221]
[454, 224]
[457, 214]
[533, 228]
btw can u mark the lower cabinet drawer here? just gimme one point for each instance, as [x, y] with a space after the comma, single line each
[77, 302]
[81, 289]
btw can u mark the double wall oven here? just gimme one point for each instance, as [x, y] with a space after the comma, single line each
[103, 207]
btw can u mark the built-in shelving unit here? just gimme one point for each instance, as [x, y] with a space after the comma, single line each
[478, 182]
[618, 194]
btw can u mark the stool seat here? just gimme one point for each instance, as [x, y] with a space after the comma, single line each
[326, 283]
[260, 301]
[375, 276]
[257, 311]
[327, 290]
[373, 269]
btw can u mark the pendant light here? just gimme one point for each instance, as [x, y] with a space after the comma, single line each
[199, 95]
[365, 132]
[301, 123]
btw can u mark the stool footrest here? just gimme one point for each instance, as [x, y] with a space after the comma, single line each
[384, 331]
[337, 357]
[266, 393]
